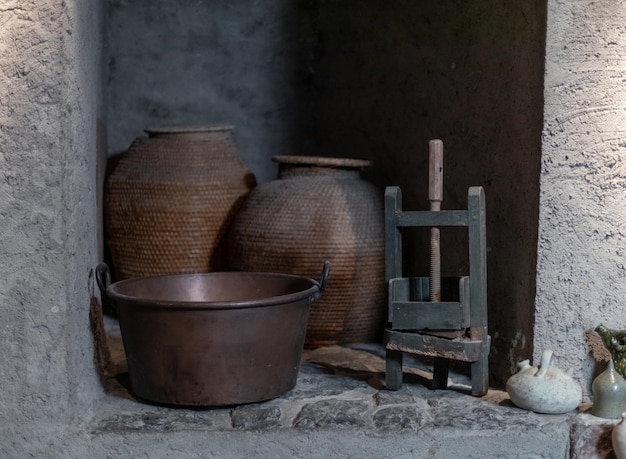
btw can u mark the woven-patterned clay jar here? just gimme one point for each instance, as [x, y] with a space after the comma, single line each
[320, 209]
[170, 198]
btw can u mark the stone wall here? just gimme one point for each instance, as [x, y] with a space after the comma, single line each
[581, 274]
[49, 103]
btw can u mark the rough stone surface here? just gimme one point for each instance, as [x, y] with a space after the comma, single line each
[590, 437]
[581, 274]
[340, 396]
[333, 400]
[49, 103]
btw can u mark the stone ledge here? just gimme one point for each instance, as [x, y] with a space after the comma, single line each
[340, 391]
[340, 404]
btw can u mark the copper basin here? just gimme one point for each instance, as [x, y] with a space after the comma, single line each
[212, 339]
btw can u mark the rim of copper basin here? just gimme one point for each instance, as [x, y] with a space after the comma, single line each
[113, 294]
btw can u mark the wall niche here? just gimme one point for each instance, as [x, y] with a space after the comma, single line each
[361, 79]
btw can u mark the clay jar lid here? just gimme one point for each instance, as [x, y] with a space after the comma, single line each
[191, 129]
[321, 161]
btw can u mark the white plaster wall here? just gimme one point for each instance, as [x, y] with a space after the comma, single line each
[581, 274]
[49, 100]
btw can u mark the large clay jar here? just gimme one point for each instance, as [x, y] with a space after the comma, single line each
[320, 209]
[170, 198]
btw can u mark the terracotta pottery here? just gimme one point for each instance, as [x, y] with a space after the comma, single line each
[320, 209]
[170, 198]
[609, 394]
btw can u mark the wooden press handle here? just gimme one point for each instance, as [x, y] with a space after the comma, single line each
[435, 196]
[435, 173]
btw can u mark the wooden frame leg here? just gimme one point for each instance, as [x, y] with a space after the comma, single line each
[480, 373]
[440, 373]
[393, 369]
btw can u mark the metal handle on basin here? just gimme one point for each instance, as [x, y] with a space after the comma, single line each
[323, 280]
[103, 279]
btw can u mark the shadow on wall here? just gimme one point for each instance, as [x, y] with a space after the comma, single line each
[385, 79]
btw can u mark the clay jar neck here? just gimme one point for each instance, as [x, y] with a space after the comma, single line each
[299, 166]
[190, 133]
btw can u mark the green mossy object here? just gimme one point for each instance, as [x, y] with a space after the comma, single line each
[615, 342]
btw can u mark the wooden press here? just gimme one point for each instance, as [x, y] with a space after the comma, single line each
[443, 318]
